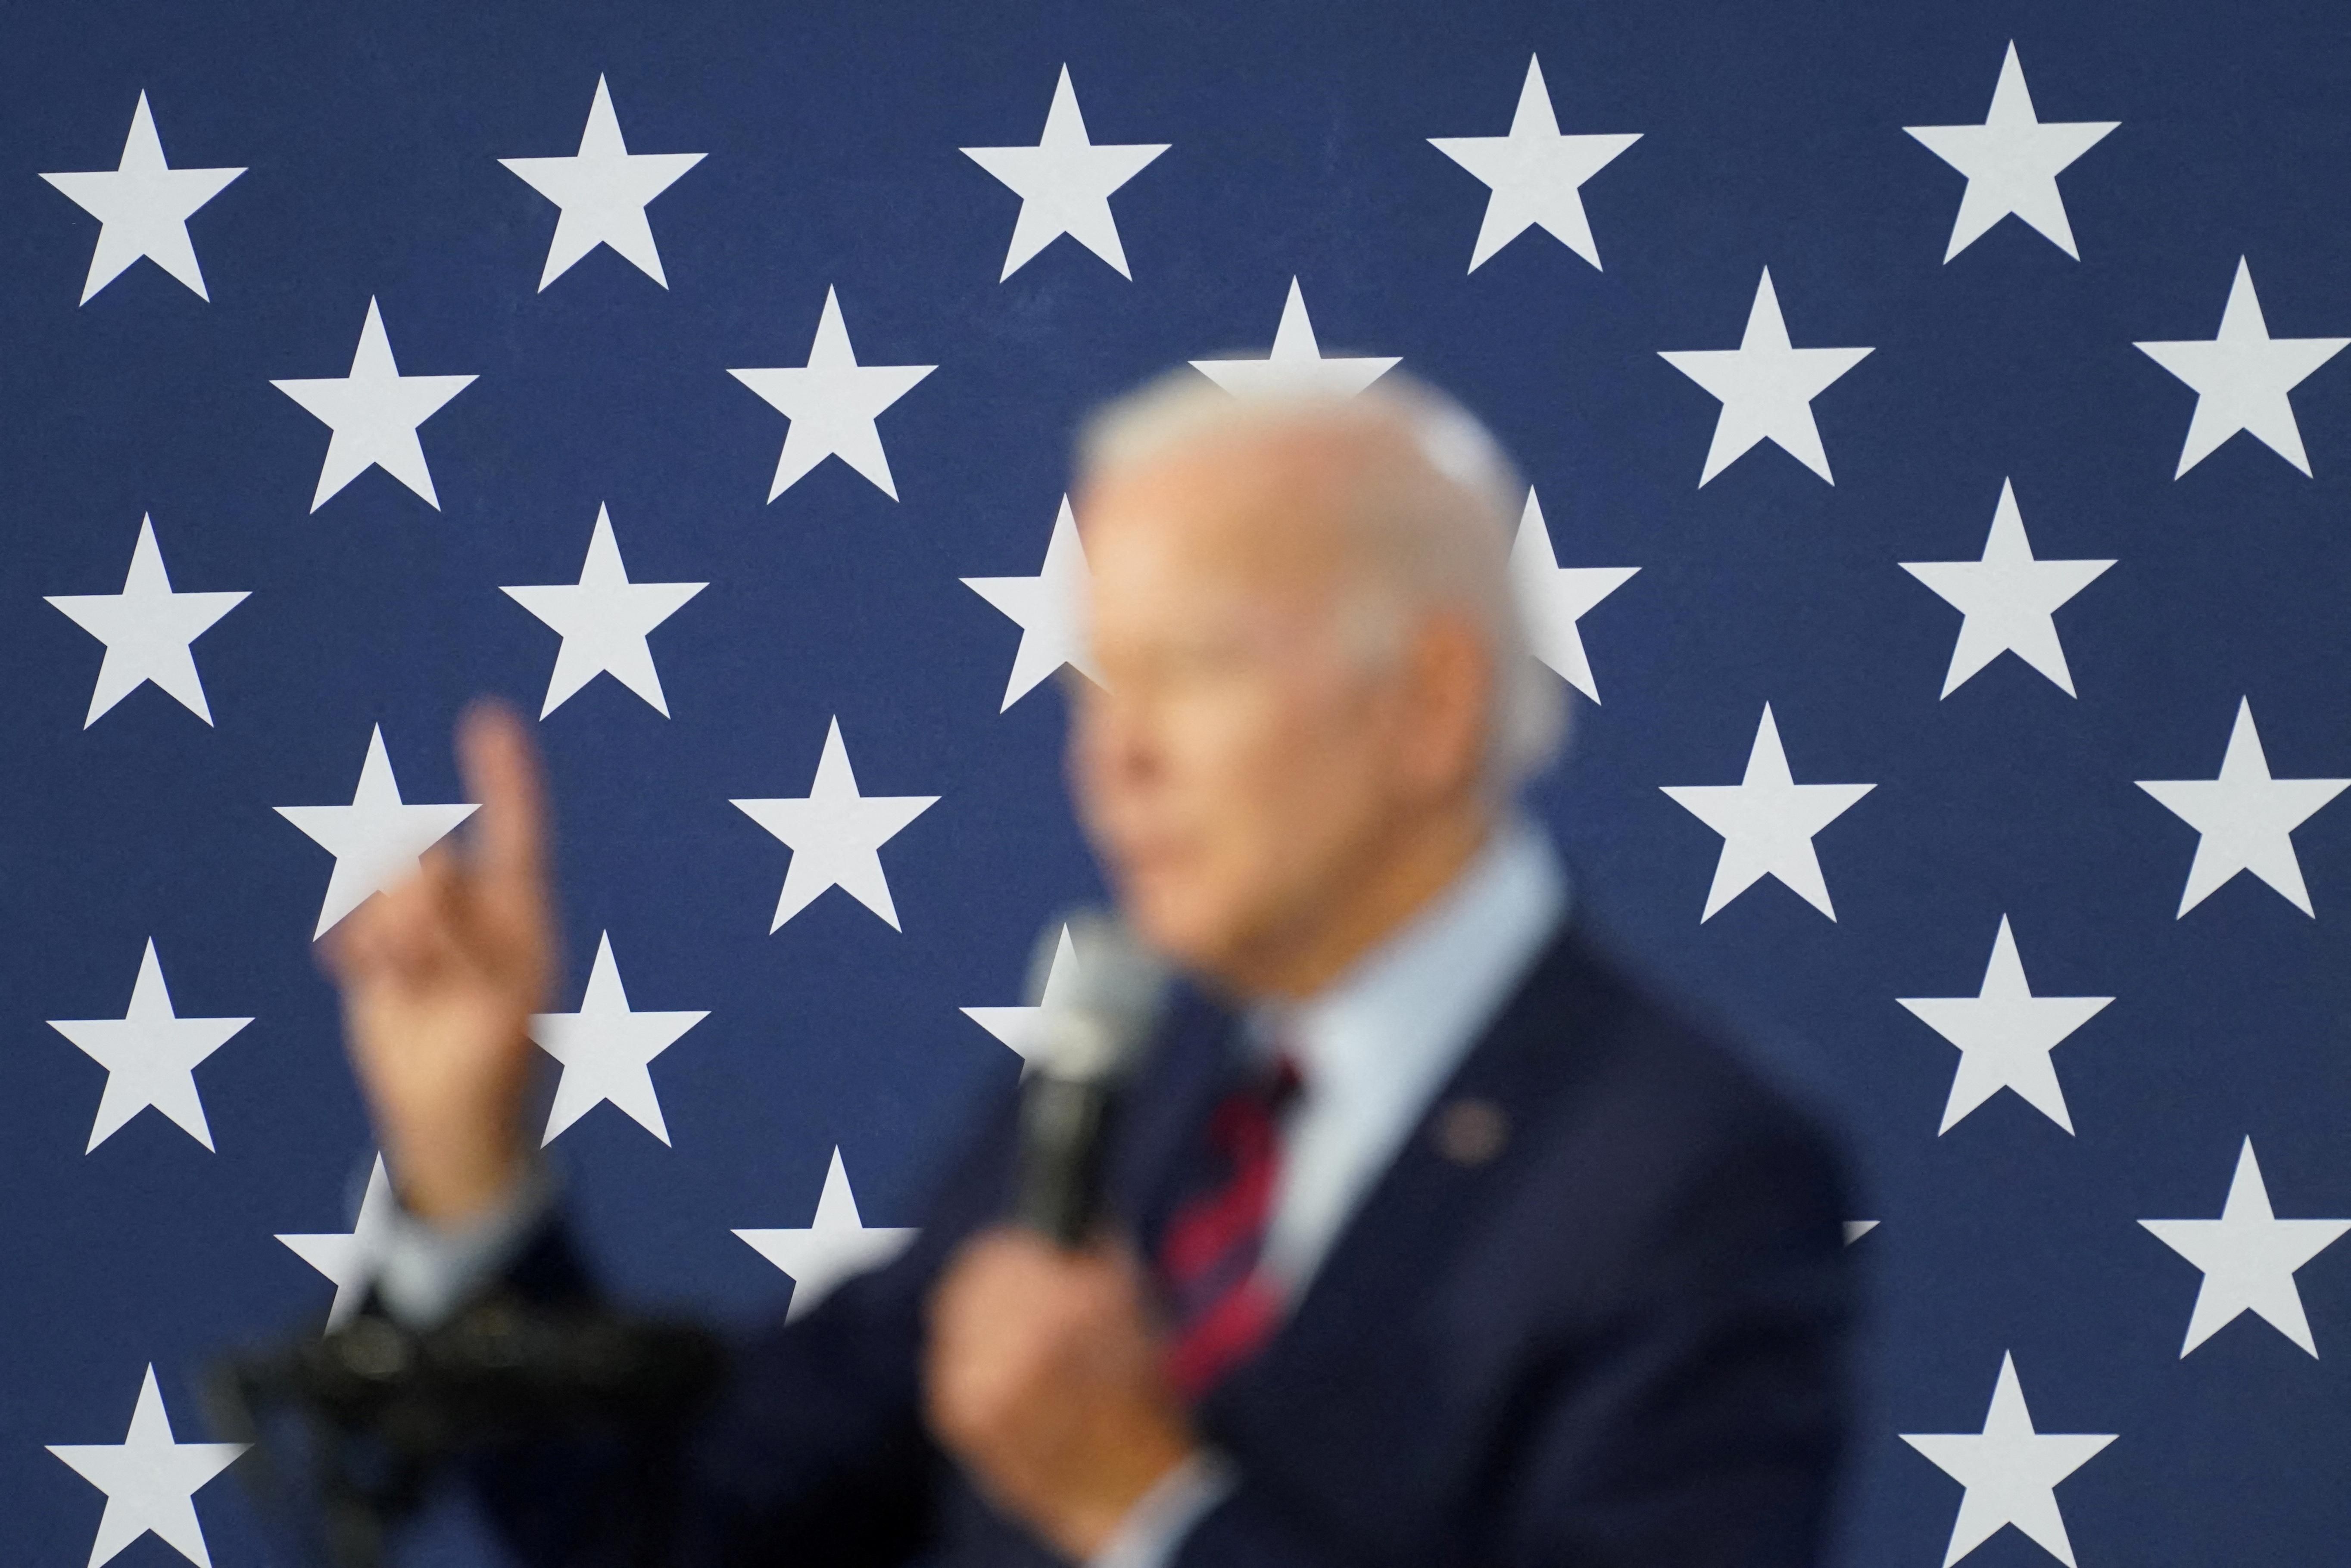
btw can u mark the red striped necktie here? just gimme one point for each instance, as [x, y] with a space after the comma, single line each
[1223, 1310]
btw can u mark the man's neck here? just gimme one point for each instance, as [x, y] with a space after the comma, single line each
[1357, 915]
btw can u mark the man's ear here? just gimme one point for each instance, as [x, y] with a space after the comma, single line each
[1451, 688]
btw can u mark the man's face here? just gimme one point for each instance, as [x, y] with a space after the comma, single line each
[1240, 761]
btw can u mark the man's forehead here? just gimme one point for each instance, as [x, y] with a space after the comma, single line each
[1254, 502]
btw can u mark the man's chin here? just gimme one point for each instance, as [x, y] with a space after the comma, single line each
[1188, 931]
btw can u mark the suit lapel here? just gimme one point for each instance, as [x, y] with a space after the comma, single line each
[1405, 1226]
[1403, 1230]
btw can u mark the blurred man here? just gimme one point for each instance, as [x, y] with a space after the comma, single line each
[1434, 1240]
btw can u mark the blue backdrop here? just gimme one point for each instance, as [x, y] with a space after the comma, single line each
[1298, 146]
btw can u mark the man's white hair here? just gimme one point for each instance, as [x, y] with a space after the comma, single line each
[1432, 508]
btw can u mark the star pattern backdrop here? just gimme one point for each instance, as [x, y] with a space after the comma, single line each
[1940, 470]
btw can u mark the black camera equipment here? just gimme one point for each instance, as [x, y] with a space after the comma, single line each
[375, 1413]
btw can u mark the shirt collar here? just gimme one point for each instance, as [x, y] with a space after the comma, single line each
[1396, 1021]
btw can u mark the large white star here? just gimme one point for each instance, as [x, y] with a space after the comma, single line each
[150, 1054]
[150, 1482]
[1296, 363]
[2008, 600]
[2241, 376]
[1767, 387]
[2005, 1034]
[1554, 598]
[832, 403]
[1064, 183]
[1050, 608]
[835, 835]
[2010, 1470]
[2012, 162]
[347, 1258]
[1767, 821]
[374, 412]
[837, 1247]
[142, 207]
[2249, 1257]
[603, 189]
[1535, 174]
[147, 629]
[2246, 818]
[605, 1048]
[377, 840]
[603, 619]
[1019, 1027]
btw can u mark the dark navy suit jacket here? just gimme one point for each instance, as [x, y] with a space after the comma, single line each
[1619, 1339]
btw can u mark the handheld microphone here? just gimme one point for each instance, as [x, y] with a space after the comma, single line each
[1090, 1027]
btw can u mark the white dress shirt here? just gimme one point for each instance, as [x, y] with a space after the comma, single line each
[1372, 1049]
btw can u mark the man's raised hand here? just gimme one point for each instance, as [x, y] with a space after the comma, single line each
[439, 978]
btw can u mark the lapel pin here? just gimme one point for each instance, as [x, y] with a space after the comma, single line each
[1471, 1131]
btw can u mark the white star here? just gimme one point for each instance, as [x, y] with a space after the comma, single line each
[348, 1257]
[2008, 600]
[832, 403]
[836, 835]
[603, 619]
[837, 1247]
[605, 1049]
[2005, 1034]
[602, 191]
[374, 412]
[150, 1482]
[1535, 174]
[1554, 598]
[2246, 818]
[1050, 607]
[1018, 1026]
[1296, 362]
[377, 840]
[2012, 162]
[2249, 1257]
[142, 207]
[1766, 386]
[150, 1054]
[1064, 183]
[1767, 821]
[2010, 1470]
[147, 629]
[2241, 376]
